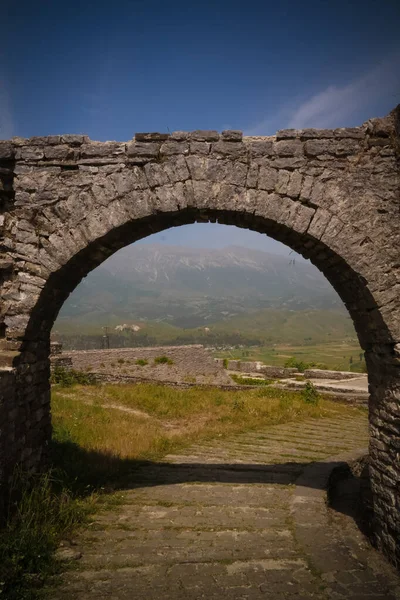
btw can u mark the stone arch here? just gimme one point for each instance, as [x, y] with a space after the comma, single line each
[331, 195]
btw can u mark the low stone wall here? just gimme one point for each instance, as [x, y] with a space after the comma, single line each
[325, 374]
[61, 361]
[245, 366]
[191, 364]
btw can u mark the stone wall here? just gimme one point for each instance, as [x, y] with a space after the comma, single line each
[326, 374]
[258, 367]
[191, 364]
[67, 203]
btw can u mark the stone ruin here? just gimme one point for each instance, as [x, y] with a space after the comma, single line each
[67, 203]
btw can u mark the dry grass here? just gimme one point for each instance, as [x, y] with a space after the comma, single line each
[153, 419]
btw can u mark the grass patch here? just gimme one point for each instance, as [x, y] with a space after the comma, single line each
[251, 380]
[178, 416]
[141, 362]
[163, 360]
[42, 511]
[68, 377]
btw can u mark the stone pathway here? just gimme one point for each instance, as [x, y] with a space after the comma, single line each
[244, 518]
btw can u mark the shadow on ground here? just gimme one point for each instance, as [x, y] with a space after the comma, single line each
[85, 472]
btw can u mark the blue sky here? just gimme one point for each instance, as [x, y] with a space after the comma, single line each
[111, 69]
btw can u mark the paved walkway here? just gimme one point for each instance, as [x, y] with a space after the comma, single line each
[244, 518]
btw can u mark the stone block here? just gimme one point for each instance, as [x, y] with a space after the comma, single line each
[288, 148]
[102, 149]
[174, 147]
[74, 140]
[61, 152]
[334, 147]
[287, 134]
[294, 186]
[267, 178]
[180, 136]
[47, 140]
[143, 149]
[230, 149]
[30, 153]
[283, 181]
[204, 136]
[202, 148]
[230, 135]
[151, 137]
[7, 150]
[259, 148]
[316, 134]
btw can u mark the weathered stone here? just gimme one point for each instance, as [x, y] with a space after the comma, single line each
[204, 136]
[306, 188]
[180, 136]
[231, 149]
[287, 134]
[143, 149]
[288, 148]
[260, 147]
[357, 133]
[200, 148]
[174, 147]
[320, 147]
[74, 140]
[61, 152]
[283, 181]
[94, 149]
[252, 176]
[30, 153]
[316, 133]
[267, 179]
[48, 140]
[6, 150]
[231, 135]
[151, 137]
[336, 203]
[294, 186]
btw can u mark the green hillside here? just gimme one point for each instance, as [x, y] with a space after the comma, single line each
[265, 327]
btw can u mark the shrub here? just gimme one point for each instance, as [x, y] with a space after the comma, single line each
[310, 394]
[163, 360]
[294, 363]
[43, 512]
[238, 404]
[67, 377]
[121, 361]
[225, 363]
[142, 362]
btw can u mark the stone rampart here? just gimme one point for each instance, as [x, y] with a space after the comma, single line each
[191, 364]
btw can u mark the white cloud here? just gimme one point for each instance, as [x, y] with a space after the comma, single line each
[6, 119]
[342, 105]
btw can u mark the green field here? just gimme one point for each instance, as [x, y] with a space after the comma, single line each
[343, 356]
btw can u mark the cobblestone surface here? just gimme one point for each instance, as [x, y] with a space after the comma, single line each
[244, 518]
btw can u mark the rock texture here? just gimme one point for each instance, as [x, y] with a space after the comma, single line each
[67, 203]
[189, 364]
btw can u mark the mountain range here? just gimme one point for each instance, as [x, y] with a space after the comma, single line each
[187, 287]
